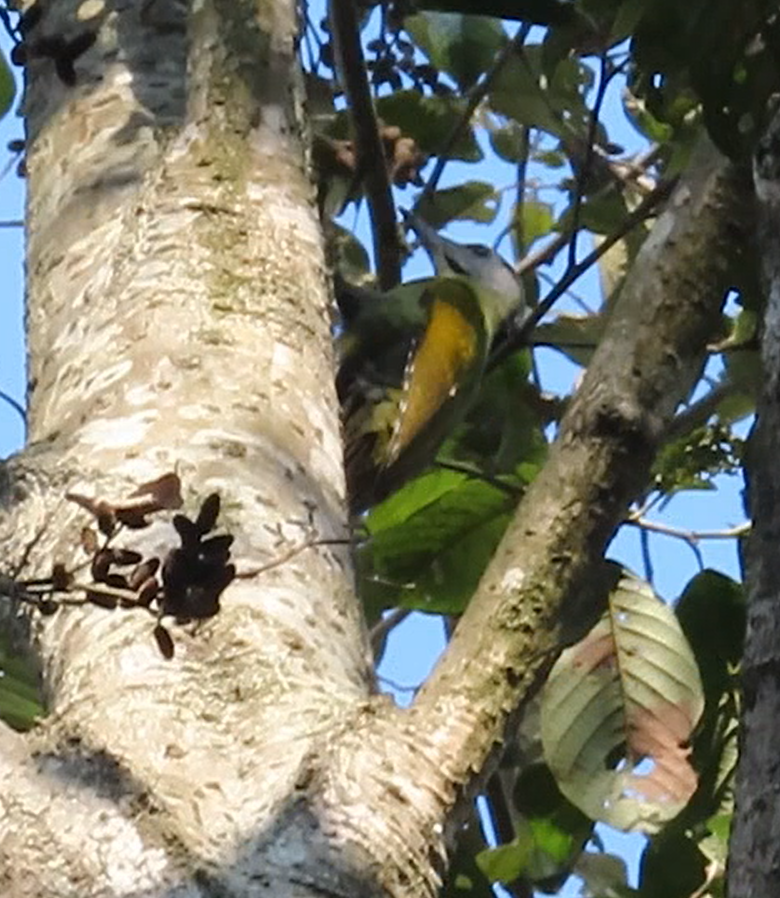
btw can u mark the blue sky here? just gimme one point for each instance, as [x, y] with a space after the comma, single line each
[11, 318]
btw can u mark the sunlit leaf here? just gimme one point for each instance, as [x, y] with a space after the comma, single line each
[692, 461]
[20, 696]
[463, 46]
[536, 220]
[550, 832]
[629, 690]
[430, 120]
[471, 200]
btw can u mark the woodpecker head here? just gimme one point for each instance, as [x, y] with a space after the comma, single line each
[486, 268]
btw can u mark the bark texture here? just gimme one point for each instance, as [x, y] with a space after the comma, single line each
[754, 851]
[178, 320]
[537, 593]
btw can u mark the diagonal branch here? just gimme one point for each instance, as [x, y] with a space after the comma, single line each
[536, 587]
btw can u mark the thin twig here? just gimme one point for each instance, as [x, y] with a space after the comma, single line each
[290, 554]
[634, 168]
[379, 632]
[544, 254]
[647, 558]
[520, 337]
[397, 686]
[522, 171]
[583, 175]
[699, 412]
[476, 95]
[500, 814]
[16, 406]
[510, 489]
[689, 536]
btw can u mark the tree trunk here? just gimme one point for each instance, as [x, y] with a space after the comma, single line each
[179, 322]
[754, 852]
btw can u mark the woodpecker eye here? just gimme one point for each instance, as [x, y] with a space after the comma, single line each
[455, 266]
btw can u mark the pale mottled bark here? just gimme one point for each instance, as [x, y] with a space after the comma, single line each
[178, 319]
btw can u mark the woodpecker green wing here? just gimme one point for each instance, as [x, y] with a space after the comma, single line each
[376, 332]
[393, 436]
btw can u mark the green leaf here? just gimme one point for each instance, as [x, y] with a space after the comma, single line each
[550, 831]
[463, 46]
[16, 710]
[713, 615]
[506, 139]
[553, 102]
[7, 86]
[671, 867]
[430, 120]
[644, 121]
[627, 17]
[539, 852]
[602, 213]
[604, 874]
[429, 543]
[503, 428]
[471, 200]
[715, 846]
[692, 461]
[507, 862]
[550, 158]
[540, 12]
[536, 220]
[353, 261]
[630, 689]
[464, 878]
[705, 48]
[20, 697]
[516, 93]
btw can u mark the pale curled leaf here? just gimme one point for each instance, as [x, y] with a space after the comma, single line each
[629, 690]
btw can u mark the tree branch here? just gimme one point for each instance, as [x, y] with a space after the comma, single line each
[583, 175]
[536, 587]
[753, 850]
[371, 160]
